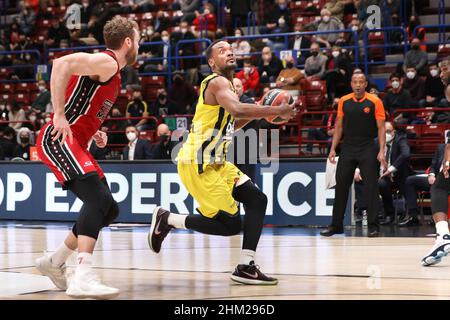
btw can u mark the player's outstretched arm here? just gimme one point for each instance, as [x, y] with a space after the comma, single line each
[83, 64]
[219, 89]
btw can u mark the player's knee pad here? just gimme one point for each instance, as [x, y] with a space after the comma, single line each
[232, 222]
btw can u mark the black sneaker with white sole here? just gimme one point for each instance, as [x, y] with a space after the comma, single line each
[250, 274]
[159, 229]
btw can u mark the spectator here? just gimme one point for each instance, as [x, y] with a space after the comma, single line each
[239, 10]
[414, 21]
[183, 94]
[249, 77]
[416, 57]
[248, 164]
[129, 78]
[97, 152]
[269, 66]
[8, 142]
[142, 5]
[162, 51]
[278, 19]
[56, 33]
[136, 149]
[351, 40]
[220, 33]
[337, 74]
[336, 8]
[3, 114]
[35, 125]
[325, 133]
[115, 127]
[329, 23]
[162, 21]
[415, 84]
[22, 149]
[240, 47]
[26, 19]
[315, 64]
[184, 10]
[398, 98]
[289, 78]
[43, 100]
[397, 158]
[16, 114]
[205, 19]
[434, 88]
[162, 105]
[138, 108]
[185, 49]
[162, 149]
[301, 44]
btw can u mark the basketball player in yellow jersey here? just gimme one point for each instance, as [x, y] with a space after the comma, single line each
[212, 181]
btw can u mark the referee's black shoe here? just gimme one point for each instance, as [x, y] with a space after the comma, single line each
[332, 230]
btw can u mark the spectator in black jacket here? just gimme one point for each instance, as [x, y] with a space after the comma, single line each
[397, 157]
[22, 149]
[183, 94]
[301, 44]
[56, 33]
[338, 74]
[398, 98]
[269, 66]
[239, 10]
[162, 105]
[277, 19]
[434, 88]
[136, 149]
[8, 142]
[420, 182]
[162, 149]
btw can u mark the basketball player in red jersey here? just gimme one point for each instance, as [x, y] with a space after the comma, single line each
[84, 88]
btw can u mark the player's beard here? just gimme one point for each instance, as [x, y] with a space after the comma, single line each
[131, 56]
[230, 67]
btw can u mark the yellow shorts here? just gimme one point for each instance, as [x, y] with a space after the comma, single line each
[213, 188]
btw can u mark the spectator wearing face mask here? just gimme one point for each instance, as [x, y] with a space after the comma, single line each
[416, 57]
[35, 124]
[315, 64]
[159, 51]
[183, 94]
[26, 18]
[162, 149]
[277, 19]
[138, 108]
[289, 78]
[22, 149]
[249, 77]
[136, 149]
[115, 127]
[336, 8]
[338, 74]
[300, 43]
[16, 114]
[434, 88]
[415, 84]
[129, 78]
[269, 66]
[329, 23]
[207, 18]
[8, 142]
[398, 98]
[185, 49]
[4, 111]
[239, 10]
[56, 33]
[162, 105]
[240, 47]
[43, 100]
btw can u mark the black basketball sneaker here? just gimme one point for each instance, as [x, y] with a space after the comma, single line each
[159, 229]
[250, 274]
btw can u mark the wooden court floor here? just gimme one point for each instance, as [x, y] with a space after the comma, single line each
[195, 266]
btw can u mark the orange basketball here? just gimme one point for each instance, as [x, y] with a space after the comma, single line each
[275, 98]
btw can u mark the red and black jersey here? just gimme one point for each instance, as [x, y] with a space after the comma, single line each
[87, 102]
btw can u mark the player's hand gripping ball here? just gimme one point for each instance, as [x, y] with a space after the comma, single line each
[275, 98]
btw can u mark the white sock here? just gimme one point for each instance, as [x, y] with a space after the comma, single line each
[247, 256]
[60, 256]
[84, 261]
[177, 220]
[441, 229]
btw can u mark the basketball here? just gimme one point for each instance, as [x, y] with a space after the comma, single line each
[275, 98]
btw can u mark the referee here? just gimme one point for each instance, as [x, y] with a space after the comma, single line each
[360, 119]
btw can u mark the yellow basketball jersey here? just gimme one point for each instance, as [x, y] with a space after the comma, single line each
[211, 132]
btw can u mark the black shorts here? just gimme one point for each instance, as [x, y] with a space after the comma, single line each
[440, 192]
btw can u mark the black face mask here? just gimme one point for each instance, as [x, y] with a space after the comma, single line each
[137, 99]
[162, 96]
[415, 47]
[315, 53]
[24, 140]
[289, 65]
[219, 35]
[164, 138]
[178, 80]
[115, 115]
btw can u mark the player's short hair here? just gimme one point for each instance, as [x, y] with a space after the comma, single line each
[116, 30]
[209, 50]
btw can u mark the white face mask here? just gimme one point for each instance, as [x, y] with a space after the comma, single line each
[247, 69]
[410, 74]
[33, 118]
[389, 137]
[326, 18]
[354, 28]
[183, 30]
[131, 136]
[434, 72]
[335, 54]
[47, 119]
[165, 39]
[42, 88]
[237, 34]
[395, 84]
[281, 22]
[206, 11]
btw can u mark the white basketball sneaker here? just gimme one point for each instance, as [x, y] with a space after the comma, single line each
[56, 273]
[87, 284]
[440, 249]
